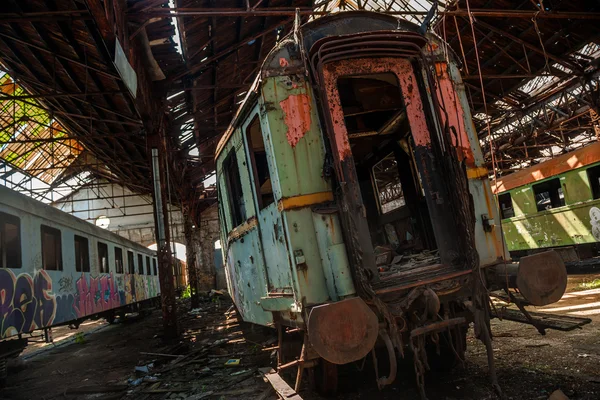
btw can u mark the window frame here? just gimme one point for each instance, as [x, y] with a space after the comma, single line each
[594, 183]
[548, 182]
[45, 229]
[148, 265]
[512, 205]
[130, 262]
[16, 221]
[251, 156]
[119, 266]
[85, 267]
[100, 269]
[237, 215]
[140, 260]
[154, 266]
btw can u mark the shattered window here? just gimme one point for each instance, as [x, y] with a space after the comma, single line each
[549, 194]
[387, 184]
[506, 207]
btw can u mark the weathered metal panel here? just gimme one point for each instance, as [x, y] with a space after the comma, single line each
[576, 186]
[294, 137]
[451, 93]
[563, 226]
[334, 258]
[305, 256]
[277, 254]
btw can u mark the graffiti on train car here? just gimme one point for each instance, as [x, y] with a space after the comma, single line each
[28, 303]
[95, 295]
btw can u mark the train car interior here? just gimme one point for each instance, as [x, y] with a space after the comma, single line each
[382, 147]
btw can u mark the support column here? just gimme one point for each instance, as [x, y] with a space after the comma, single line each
[161, 224]
[191, 255]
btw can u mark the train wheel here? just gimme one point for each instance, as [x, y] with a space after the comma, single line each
[326, 378]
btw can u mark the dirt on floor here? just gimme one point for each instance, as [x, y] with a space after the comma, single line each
[102, 365]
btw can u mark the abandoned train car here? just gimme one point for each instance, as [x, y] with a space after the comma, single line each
[356, 137]
[56, 269]
[554, 204]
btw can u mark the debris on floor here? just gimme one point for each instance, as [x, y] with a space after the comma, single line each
[214, 358]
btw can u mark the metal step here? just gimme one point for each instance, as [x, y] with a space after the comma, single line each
[544, 320]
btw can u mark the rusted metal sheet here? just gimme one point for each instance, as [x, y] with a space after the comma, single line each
[344, 331]
[297, 116]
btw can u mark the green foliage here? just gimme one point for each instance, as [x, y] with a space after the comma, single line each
[79, 338]
[187, 293]
[595, 284]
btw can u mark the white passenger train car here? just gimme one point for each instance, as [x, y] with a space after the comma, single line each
[56, 269]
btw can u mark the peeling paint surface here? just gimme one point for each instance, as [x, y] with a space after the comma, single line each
[296, 109]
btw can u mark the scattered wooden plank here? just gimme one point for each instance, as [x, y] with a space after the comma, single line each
[169, 390]
[160, 354]
[281, 386]
[96, 389]
[235, 392]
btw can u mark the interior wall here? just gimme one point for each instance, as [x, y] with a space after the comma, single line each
[130, 214]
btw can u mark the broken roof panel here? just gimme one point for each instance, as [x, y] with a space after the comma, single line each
[31, 140]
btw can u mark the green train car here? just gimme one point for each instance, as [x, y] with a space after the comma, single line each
[554, 205]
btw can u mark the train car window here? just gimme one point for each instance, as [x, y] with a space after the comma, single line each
[130, 262]
[119, 260]
[234, 189]
[82, 254]
[148, 266]
[154, 266]
[10, 241]
[140, 264]
[548, 194]
[103, 258]
[259, 163]
[593, 174]
[506, 206]
[51, 249]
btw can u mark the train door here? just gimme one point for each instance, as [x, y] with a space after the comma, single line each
[377, 115]
[243, 251]
[272, 232]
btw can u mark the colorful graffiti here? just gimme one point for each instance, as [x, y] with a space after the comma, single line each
[28, 303]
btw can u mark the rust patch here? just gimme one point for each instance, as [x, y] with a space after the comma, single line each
[454, 113]
[297, 117]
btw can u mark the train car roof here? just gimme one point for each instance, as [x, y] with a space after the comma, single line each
[575, 159]
[338, 24]
[26, 204]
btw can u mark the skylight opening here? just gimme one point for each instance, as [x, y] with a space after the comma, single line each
[177, 35]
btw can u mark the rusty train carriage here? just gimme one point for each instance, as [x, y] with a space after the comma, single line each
[303, 217]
